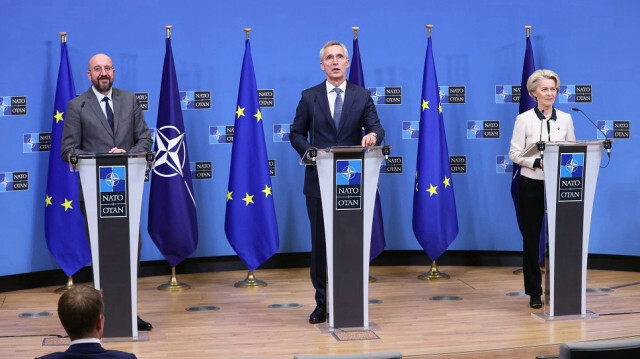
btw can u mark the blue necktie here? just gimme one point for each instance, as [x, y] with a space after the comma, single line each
[337, 108]
[109, 112]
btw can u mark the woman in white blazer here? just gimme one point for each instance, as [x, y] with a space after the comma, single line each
[541, 123]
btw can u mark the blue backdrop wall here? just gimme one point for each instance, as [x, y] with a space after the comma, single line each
[478, 45]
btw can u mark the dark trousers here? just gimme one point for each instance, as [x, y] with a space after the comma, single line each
[531, 213]
[318, 250]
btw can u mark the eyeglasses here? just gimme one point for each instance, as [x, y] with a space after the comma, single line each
[338, 58]
[99, 69]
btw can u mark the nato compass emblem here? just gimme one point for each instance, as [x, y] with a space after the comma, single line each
[410, 130]
[348, 184]
[571, 177]
[503, 164]
[113, 191]
[172, 155]
[186, 100]
[473, 129]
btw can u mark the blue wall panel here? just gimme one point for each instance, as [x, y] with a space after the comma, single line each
[477, 44]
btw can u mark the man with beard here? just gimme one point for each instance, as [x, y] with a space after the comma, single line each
[105, 120]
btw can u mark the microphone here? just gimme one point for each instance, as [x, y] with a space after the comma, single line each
[607, 141]
[313, 152]
[540, 143]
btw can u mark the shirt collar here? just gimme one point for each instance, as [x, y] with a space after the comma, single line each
[85, 341]
[541, 116]
[100, 96]
[330, 87]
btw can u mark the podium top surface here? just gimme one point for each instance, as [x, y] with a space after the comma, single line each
[112, 155]
[342, 149]
[532, 149]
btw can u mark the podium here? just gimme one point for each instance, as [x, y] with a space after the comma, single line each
[570, 176]
[348, 179]
[112, 186]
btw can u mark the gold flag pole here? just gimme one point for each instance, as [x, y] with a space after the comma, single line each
[519, 271]
[250, 281]
[69, 281]
[355, 37]
[69, 285]
[433, 273]
[173, 284]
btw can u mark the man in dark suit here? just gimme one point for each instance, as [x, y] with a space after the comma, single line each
[81, 312]
[105, 119]
[341, 110]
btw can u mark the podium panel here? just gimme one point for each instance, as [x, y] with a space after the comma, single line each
[112, 186]
[348, 179]
[571, 173]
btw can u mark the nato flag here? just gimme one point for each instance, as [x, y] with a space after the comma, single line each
[173, 224]
[377, 229]
[435, 220]
[64, 224]
[250, 219]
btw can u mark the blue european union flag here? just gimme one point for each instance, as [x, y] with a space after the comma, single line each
[173, 222]
[64, 224]
[435, 220]
[250, 218]
[378, 241]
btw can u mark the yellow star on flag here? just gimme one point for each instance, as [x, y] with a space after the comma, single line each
[248, 199]
[66, 204]
[258, 115]
[47, 201]
[267, 191]
[58, 116]
[240, 111]
[432, 190]
[440, 108]
[425, 105]
[446, 182]
[229, 196]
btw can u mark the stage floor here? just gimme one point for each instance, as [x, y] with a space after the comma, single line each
[491, 319]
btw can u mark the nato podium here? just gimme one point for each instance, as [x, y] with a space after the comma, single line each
[570, 176]
[348, 179]
[112, 185]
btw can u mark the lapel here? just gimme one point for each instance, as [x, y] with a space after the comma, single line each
[117, 106]
[94, 105]
[323, 105]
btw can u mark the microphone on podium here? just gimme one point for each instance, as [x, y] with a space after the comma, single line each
[607, 141]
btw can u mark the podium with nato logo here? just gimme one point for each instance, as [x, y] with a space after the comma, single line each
[570, 177]
[348, 179]
[112, 185]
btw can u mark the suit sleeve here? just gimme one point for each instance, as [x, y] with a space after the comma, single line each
[372, 121]
[298, 134]
[519, 142]
[141, 137]
[72, 132]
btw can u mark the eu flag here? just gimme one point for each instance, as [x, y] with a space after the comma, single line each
[250, 219]
[435, 221]
[64, 224]
[173, 224]
[377, 229]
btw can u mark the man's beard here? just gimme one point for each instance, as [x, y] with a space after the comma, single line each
[100, 87]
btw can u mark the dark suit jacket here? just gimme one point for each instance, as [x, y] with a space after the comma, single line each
[358, 111]
[86, 129]
[89, 351]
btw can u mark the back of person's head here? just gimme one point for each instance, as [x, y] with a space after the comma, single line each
[80, 309]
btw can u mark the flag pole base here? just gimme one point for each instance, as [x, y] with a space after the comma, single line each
[174, 285]
[518, 271]
[434, 274]
[372, 279]
[66, 287]
[250, 282]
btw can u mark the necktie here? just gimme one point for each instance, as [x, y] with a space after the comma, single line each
[109, 112]
[337, 108]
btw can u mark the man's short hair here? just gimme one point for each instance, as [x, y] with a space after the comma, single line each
[332, 43]
[79, 310]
